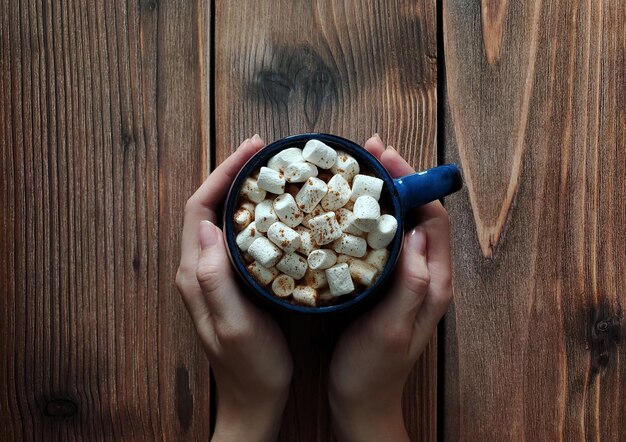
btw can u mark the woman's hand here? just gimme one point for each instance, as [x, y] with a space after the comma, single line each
[246, 349]
[376, 353]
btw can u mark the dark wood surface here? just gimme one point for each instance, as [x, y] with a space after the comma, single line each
[349, 68]
[102, 142]
[534, 102]
[111, 114]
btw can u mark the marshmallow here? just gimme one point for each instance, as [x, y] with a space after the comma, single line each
[293, 265]
[284, 237]
[339, 280]
[264, 215]
[345, 258]
[363, 273]
[351, 245]
[378, 258]
[306, 240]
[366, 213]
[265, 252]
[271, 181]
[324, 296]
[315, 278]
[346, 218]
[247, 236]
[249, 207]
[287, 210]
[322, 259]
[311, 194]
[285, 157]
[305, 295]
[242, 218]
[250, 190]
[319, 154]
[366, 185]
[325, 228]
[315, 212]
[300, 172]
[349, 205]
[283, 285]
[384, 231]
[346, 166]
[263, 275]
[338, 193]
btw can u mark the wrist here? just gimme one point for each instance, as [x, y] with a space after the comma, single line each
[372, 421]
[253, 421]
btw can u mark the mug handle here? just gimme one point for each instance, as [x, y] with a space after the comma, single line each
[423, 187]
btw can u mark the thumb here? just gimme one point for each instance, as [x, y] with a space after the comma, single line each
[412, 279]
[214, 273]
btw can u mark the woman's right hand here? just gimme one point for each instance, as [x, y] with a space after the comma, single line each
[376, 353]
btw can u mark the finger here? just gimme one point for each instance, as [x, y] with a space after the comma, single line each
[434, 220]
[434, 306]
[412, 280]
[375, 146]
[432, 217]
[215, 277]
[436, 225]
[203, 204]
[194, 301]
[395, 164]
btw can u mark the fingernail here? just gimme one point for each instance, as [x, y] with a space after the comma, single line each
[243, 143]
[377, 137]
[417, 241]
[256, 138]
[391, 148]
[208, 234]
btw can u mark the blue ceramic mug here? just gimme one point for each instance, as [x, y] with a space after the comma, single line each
[398, 196]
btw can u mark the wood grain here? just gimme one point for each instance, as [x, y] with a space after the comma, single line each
[534, 112]
[348, 68]
[101, 143]
[104, 126]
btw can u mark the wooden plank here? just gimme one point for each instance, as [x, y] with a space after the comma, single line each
[101, 144]
[348, 68]
[535, 114]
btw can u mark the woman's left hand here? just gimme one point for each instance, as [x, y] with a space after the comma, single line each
[376, 353]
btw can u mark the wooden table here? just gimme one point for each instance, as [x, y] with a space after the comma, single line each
[113, 112]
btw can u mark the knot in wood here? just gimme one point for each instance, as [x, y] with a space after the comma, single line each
[274, 85]
[127, 140]
[136, 263]
[602, 326]
[607, 328]
[318, 86]
[319, 79]
[60, 408]
[603, 337]
[299, 78]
